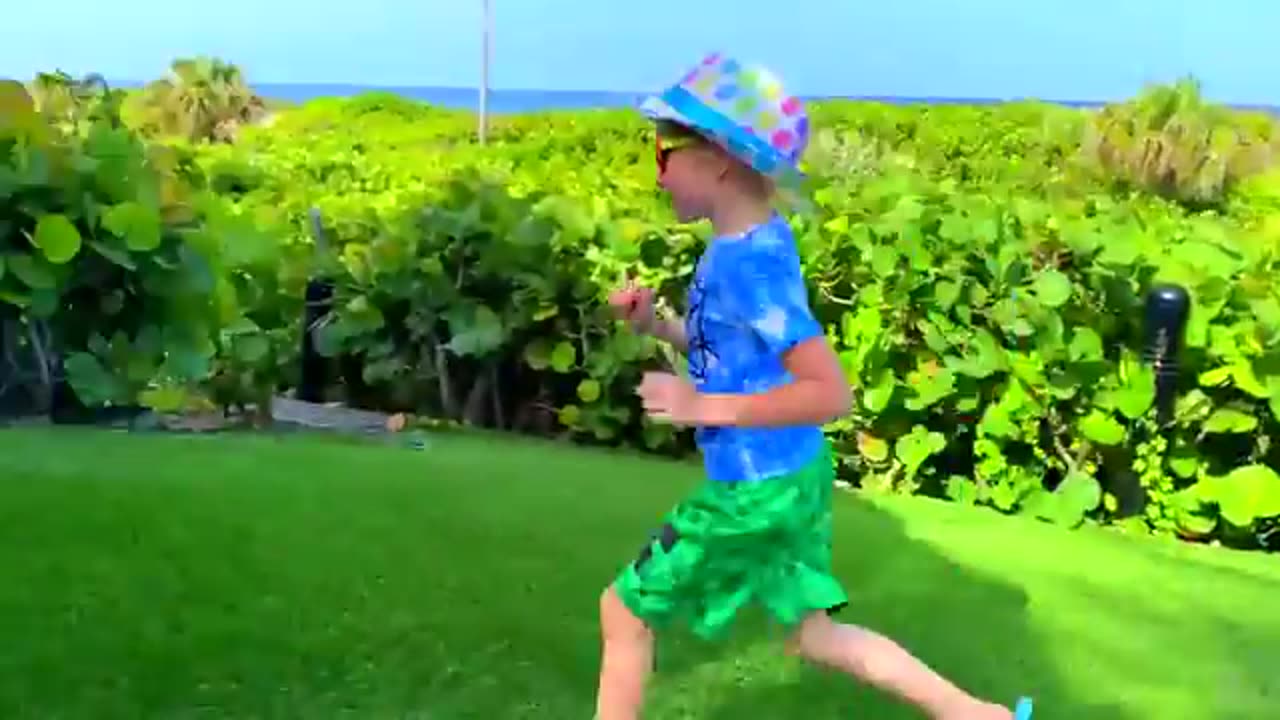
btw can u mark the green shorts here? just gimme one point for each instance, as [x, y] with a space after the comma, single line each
[731, 543]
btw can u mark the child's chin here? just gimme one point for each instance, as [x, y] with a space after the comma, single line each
[687, 216]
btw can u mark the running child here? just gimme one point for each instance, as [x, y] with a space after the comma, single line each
[762, 382]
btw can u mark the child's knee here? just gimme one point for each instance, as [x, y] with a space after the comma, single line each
[812, 639]
[616, 619]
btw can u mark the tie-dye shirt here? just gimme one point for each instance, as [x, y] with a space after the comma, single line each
[747, 305]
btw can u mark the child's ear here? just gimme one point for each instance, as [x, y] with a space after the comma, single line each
[724, 163]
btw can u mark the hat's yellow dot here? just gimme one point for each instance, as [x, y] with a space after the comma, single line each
[705, 83]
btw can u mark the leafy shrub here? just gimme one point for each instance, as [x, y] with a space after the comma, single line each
[1022, 145]
[109, 271]
[982, 285]
[995, 341]
[984, 293]
[74, 105]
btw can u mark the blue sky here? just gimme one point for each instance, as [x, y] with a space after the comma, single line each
[1054, 49]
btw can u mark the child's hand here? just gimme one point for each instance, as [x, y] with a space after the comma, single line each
[635, 305]
[670, 398]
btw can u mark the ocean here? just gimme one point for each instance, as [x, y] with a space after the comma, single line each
[504, 101]
[500, 101]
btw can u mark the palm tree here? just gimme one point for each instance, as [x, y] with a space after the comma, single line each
[72, 103]
[201, 99]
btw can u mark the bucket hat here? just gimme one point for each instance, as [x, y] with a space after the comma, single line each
[742, 108]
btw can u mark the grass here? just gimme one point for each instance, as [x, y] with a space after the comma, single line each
[260, 577]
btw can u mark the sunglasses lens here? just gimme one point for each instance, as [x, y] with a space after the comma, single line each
[675, 138]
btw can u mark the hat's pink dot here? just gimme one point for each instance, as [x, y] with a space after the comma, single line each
[693, 74]
[791, 106]
[711, 59]
[782, 139]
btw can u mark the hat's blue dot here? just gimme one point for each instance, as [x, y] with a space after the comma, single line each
[726, 92]
[730, 67]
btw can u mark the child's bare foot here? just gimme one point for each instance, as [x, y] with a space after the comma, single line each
[992, 711]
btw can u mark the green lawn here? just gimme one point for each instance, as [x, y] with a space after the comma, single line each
[295, 577]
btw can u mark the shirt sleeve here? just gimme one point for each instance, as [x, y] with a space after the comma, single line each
[763, 289]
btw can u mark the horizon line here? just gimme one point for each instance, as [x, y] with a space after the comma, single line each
[897, 99]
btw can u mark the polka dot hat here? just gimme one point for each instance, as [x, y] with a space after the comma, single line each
[742, 108]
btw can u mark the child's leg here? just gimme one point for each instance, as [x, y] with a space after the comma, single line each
[626, 637]
[681, 571]
[801, 585]
[626, 660]
[882, 663]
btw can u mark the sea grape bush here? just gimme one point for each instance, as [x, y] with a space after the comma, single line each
[115, 274]
[980, 271]
[982, 287]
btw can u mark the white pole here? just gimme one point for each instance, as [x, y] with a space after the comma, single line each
[486, 42]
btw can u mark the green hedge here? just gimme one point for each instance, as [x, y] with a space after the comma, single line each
[980, 270]
[115, 274]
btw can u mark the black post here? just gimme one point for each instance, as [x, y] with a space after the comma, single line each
[318, 301]
[1167, 310]
[1164, 321]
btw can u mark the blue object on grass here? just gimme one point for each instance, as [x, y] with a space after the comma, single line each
[1023, 711]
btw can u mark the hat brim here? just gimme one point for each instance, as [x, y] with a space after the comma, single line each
[656, 109]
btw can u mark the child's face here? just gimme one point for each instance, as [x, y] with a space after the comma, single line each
[690, 170]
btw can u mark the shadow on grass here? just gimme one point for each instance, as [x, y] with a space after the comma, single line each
[970, 628]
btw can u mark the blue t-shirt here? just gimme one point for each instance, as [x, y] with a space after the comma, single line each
[747, 305]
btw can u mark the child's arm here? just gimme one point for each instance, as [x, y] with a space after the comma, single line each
[817, 394]
[766, 291]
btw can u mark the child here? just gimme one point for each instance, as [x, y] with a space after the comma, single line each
[764, 380]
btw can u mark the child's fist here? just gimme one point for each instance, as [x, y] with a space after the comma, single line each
[635, 305]
[670, 398]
